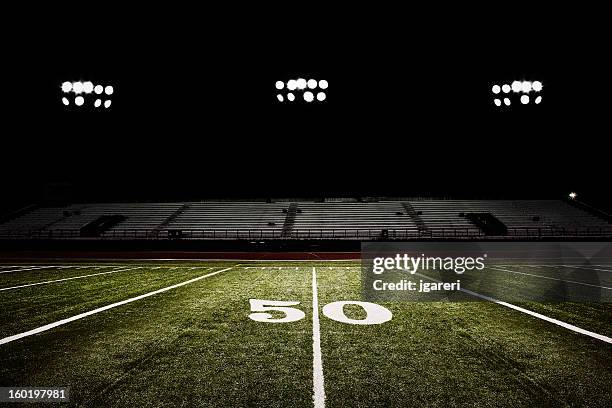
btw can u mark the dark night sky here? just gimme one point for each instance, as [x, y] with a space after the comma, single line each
[409, 109]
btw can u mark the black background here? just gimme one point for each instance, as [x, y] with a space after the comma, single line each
[409, 111]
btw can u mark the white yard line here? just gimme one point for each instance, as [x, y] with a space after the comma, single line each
[67, 279]
[531, 313]
[104, 308]
[30, 269]
[318, 396]
[550, 278]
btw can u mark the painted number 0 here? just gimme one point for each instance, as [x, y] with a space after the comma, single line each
[375, 314]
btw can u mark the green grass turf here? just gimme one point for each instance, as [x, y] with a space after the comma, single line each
[196, 346]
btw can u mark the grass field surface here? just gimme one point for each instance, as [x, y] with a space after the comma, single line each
[180, 334]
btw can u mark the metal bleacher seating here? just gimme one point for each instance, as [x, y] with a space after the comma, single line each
[336, 219]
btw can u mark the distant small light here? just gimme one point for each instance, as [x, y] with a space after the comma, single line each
[67, 87]
[65, 101]
[280, 97]
[497, 102]
[321, 96]
[79, 101]
[495, 89]
[279, 85]
[107, 104]
[77, 87]
[573, 195]
[538, 100]
[99, 89]
[312, 83]
[291, 85]
[524, 99]
[308, 96]
[323, 84]
[506, 101]
[300, 83]
[97, 103]
[88, 87]
[526, 86]
[109, 90]
[290, 97]
[536, 86]
[505, 88]
[516, 86]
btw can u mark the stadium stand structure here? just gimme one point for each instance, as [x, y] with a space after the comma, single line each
[310, 220]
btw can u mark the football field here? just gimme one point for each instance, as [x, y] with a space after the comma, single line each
[280, 334]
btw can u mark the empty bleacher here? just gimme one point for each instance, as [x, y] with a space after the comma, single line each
[401, 219]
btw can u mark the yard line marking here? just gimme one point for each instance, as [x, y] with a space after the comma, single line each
[531, 313]
[66, 279]
[550, 278]
[104, 308]
[28, 269]
[318, 396]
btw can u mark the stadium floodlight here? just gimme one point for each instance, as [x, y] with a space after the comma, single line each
[507, 101]
[300, 83]
[66, 87]
[538, 100]
[107, 104]
[280, 97]
[79, 101]
[323, 84]
[526, 86]
[279, 85]
[497, 102]
[505, 88]
[516, 86]
[77, 87]
[291, 84]
[496, 89]
[312, 83]
[321, 96]
[536, 86]
[524, 99]
[573, 195]
[308, 96]
[88, 87]
[109, 90]
[290, 97]
[65, 101]
[97, 103]
[99, 89]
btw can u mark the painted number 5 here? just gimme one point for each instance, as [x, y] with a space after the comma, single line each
[262, 306]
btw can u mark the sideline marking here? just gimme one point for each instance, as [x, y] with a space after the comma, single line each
[550, 278]
[104, 308]
[318, 396]
[585, 267]
[531, 313]
[67, 279]
[31, 269]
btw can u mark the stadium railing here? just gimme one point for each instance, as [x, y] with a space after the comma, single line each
[314, 234]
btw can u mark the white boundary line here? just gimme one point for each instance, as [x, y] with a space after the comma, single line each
[531, 313]
[67, 279]
[104, 308]
[587, 268]
[30, 269]
[318, 395]
[549, 278]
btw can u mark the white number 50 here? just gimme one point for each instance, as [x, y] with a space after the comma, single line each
[375, 314]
